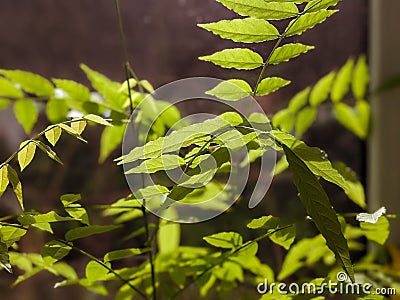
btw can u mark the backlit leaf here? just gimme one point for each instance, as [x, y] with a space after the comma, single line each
[299, 100]
[318, 207]
[307, 21]
[8, 89]
[360, 78]
[124, 253]
[78, 126]
[56, 110]
[16, 184]
[287, 52]
[169, 233]
[48, 151]
[29, 82]
[247, 30]
[229, 240]
[237, 58]
[110, 139]
[317, 5]
[341, 84]
[233, 89]
[3, 179]
[71, 131]
[95, 271]
[53, 135]
[152, 165]
[378, 232]
[321, 89]
[261, 9]
[82, 232]
[348, 118]
[97, 119]
[355, 189]
[270, 85]
[26, 113]
[26, 153]
[305, 119]
[53, 251]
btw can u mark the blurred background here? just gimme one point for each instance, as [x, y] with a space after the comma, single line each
[52, 38]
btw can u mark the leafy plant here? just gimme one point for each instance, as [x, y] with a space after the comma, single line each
[170, 268]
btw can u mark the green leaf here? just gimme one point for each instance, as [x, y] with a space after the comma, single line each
[318, 207]
[378, 232]
[360, 78]
[97, 119]
[29, 82]
[363, 111]
[29, 218]
[53, 251]
[73, 89]
[82, 232]
[95, 271]
[307, 21]
[48, 151]
[146, 85]
[247, 30]
[299, 100]
[321, 89]
[111, 138]
[16, 184]
[75, 210]
[3, 179]
[270, 85]
[349, 119]
[305, 119]
[79, 126]
[8, 89]
[284, 237]
[355, 189]
[284, 119]
[228, 240]
[124, 253]
[4, 103]
[68, 199]
[169, 233]
[341, 84]
[152, 165]
[315, 159]
[233, 89]
[56, 110]
[26, 153]
[281, 165]
[268, 223]
[53, 134]
[317, 5]
[5, 258]
[26, 113]
[71, 131]
[287, 52]
[10, 234]
[107, 88]
[237, 58]
[261, 9]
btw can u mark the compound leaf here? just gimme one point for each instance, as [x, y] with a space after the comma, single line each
[237, 58]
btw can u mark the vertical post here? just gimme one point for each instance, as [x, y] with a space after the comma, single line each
[384, 144]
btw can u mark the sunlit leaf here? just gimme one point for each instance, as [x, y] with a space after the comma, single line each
[53, 135]
[307, 21]
[305, 119]
[287, 52]
[3, 179]
[26, 113]
[233, 89]
[56, 110]
[53, 251]
[29, 82]
[169, 233]
[360, 78]
[82, 232]
[152, 165]
[97, 119]
[378, 232]
[16, 184]
[341, 85]
[26, 153]
[95, 271]
[71, 131]
[321, 89]
[124, 253]
[284, 119]
[270, 85]
[8, 89]
[237, 58]
[247, 30]
[261, 9]
[110, 139]
[229, 240]
[48, 151]
[299, 100]
[317, 5]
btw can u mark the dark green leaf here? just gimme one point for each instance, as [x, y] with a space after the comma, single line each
[287, 52]
[318, 207]
[247, 30]
[5, 258]
[237, 58]
[26, 113]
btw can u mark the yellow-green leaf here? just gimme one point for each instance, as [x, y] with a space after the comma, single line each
[247, 30]
[305, 119]
[16, 184]
[79, 126]
[341, 84]
[233, 89]
[71, 131]
[321, 89]
[3, 179]
[53, 135]
[8, 89]
[97, 119]
[287, 52]
[49, 152]
[307, 21]
[237, 58]
[360, 78]
[270, 85]
[26, 113]
[29, 82]
[26, 153]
